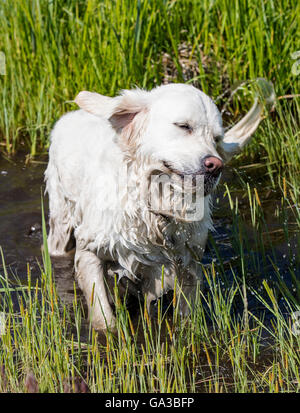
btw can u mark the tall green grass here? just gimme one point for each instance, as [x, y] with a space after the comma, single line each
[56, 48]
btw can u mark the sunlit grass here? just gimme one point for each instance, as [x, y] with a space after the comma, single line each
[56, 48]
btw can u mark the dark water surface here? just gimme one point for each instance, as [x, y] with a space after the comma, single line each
[21, 187]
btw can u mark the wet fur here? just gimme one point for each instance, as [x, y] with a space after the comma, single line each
[89, 148]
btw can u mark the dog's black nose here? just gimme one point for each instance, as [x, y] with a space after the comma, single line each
[212, 165]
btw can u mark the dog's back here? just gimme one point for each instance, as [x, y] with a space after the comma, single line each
[82, 156]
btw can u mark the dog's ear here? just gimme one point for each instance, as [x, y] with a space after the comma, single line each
[239, 135]
[129, 104]
[94, 103]
[120, 110]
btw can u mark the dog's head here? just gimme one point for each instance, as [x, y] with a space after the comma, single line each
[177, 126]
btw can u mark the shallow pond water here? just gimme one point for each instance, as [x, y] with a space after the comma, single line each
[20, 214]
[21, 188]
[21, 191]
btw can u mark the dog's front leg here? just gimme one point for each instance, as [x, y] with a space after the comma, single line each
[90, 276]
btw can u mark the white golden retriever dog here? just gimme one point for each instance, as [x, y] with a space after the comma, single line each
[173, 130]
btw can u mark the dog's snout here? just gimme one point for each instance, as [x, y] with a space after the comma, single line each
[212, 165]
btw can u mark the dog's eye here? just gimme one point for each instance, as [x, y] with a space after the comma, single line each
[184, 126]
